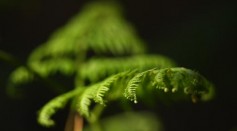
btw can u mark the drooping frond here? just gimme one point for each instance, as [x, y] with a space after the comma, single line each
[178, 83]
[175, 82]
[96, 69]
[52, 106]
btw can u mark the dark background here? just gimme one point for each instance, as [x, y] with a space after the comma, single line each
[198, 34]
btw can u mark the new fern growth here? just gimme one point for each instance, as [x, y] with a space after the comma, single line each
[99, 80]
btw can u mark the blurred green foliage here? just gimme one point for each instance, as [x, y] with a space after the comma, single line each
[107, 60]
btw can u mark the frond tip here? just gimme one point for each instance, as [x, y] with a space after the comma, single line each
[20, 76]
[185, 80]
[180, 82]
[52, 106]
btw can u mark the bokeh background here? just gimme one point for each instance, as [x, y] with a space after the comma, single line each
[197, 34]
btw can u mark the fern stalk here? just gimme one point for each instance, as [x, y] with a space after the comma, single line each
[74, 122]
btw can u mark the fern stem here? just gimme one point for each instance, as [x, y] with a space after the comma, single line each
[78, 122]
[69, 122]
[74, 122]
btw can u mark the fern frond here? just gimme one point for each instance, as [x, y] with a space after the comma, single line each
[178, 83]
[49, 109]
[95, 69]
[181, 81]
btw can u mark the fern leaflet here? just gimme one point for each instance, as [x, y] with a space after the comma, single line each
[95, 92]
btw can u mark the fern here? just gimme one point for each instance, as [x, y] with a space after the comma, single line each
[101, 28]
